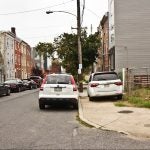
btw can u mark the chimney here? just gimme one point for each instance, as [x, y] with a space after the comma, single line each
[13, 30]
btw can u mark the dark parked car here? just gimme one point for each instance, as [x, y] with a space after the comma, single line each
[37, 79]
[4, 89]
[16, 85]
[29, 84]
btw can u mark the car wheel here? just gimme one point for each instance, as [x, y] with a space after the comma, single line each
[91, 98]
[8, 92]
[41, 105]
[119, 97]
[31, 87]
[75, 105]
[19, 89]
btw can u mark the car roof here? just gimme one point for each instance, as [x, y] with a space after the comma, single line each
[35, 76]
[105, 72]
[56, 74]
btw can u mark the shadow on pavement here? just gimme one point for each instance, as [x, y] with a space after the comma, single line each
[59, 107]
[105, 99]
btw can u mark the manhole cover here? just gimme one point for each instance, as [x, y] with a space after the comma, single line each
[146, 125]
[125, 111]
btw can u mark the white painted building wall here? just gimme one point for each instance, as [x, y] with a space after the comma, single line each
[129, 33]
[7, 49]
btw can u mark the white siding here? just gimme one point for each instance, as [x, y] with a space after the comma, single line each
[132, 33]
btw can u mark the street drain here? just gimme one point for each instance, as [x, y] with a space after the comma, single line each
[125, 111]
[146, 125]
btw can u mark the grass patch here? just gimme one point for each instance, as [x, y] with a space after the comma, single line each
[138, 98]
[139, 102]
[120, 104]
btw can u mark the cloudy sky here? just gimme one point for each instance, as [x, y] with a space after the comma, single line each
[33, 25]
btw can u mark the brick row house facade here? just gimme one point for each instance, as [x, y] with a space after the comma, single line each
[16, 55]
[105, 42]
[17, 58]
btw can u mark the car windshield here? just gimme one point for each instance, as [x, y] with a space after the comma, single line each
[25, 80]
[108, 76]
[58, 79]
[34, 77]
[11, 81]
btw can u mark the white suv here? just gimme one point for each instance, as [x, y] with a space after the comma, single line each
[58, 88]
[104, 84]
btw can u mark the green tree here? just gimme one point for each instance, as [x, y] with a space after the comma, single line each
[66, 47]
[67, 50]
[45, 49]
[90, 46]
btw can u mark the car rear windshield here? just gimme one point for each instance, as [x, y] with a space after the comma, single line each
[34, 77]
[106, 76]
[58, 79]
[11, 81]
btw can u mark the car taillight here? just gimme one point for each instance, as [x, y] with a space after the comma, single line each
[118, 83]
[73, 83]
[44, 81]
[75, 88]
[41, 88]
[94, 84]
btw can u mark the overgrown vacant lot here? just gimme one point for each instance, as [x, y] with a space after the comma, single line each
[137, 98]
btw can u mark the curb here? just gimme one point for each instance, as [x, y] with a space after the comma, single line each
[81, 116]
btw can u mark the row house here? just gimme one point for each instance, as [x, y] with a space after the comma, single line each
[129, 34]
[18, 72]
[23, 47]
[7, 51]
[16, 56]
[29, 62]
[104, 25]
[125, 33]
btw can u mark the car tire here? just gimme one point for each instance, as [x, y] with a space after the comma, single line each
[19, 89]
[119, 97]
[91, 98]
[75, 105]
[8, 92]
[31, 87]
[41, 105]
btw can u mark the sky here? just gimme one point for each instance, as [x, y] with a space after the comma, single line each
[33, 25]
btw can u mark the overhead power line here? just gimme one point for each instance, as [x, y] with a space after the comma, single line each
[33, 10]
[92, 12]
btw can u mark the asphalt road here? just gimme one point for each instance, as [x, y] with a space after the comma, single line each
[24, 126]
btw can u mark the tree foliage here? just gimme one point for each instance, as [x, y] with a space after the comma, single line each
[45, 49]
[90, 46]
[36, 71]
[67, 50]
[66, 47]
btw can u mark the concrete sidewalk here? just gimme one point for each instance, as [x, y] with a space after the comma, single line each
[105, 115]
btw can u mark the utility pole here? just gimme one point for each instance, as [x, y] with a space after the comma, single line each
[79, 47]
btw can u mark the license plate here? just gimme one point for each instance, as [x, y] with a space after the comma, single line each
[57, 89]
[106, 85]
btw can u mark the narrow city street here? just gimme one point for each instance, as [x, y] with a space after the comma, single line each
[24, 126]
